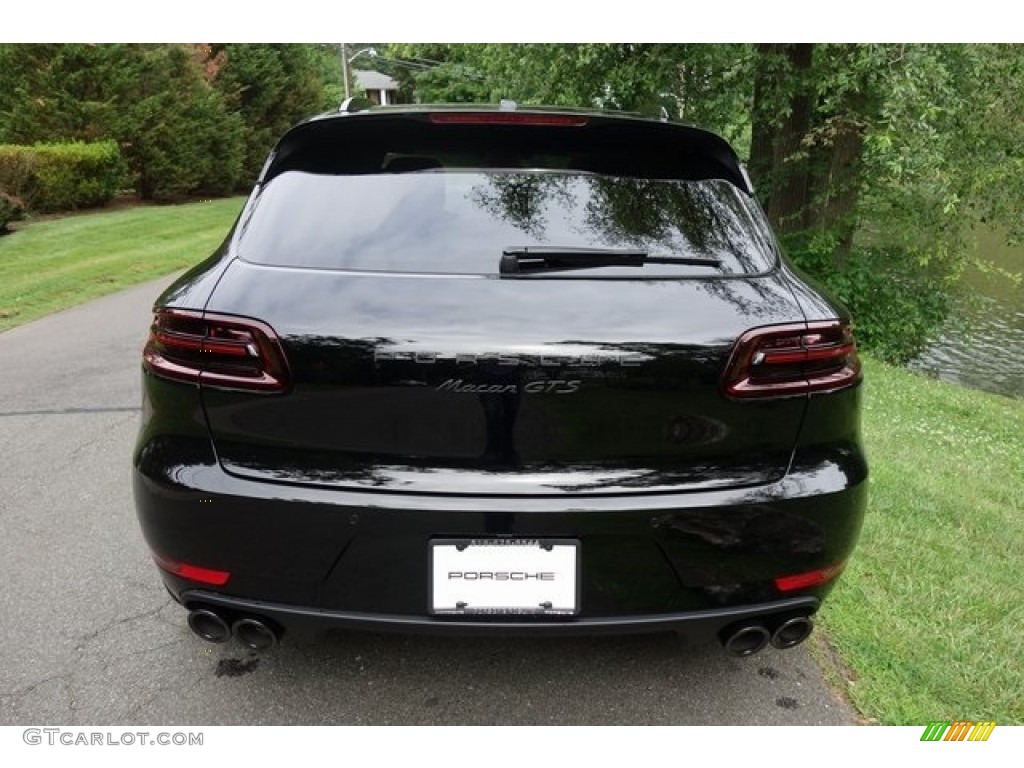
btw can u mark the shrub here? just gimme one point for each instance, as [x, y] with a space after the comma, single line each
[896, 304]
[178, 135]
[62, 177]
[11, 209]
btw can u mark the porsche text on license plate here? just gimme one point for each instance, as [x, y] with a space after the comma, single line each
[504, 576]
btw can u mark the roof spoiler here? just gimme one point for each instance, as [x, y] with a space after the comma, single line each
[356, 139]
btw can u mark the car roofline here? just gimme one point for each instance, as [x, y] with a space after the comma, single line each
[359, 110]
[355, 106]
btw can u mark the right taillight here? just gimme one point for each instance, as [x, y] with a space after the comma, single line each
[215, 350]
[792, 360]
[808, 578]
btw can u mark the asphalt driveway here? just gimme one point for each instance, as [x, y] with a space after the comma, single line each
[88, 636]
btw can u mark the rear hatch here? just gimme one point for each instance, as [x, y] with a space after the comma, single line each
[634, 257]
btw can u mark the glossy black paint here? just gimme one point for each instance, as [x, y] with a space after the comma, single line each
[585, 406]
[608, 145]
[364, 551]
[355, 420]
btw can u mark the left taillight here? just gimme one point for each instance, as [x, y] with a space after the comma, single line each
[792, 359]
[221, 351]
[192, 572]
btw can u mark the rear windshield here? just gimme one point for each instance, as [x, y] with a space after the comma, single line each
[459, 221]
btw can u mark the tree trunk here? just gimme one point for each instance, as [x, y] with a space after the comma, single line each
[790, 170]
[763, 121]
[782, 112]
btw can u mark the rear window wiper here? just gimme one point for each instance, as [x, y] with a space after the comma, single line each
[527, 260]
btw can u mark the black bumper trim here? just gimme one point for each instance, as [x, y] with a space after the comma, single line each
[698, 626]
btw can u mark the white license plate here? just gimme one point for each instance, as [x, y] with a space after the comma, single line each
[504, 576]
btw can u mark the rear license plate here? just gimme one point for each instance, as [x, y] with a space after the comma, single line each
[504, 576]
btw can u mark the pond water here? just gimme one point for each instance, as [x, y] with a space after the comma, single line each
[981, 345]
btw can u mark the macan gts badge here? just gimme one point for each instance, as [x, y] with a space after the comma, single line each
[498, 370]
[527, 385]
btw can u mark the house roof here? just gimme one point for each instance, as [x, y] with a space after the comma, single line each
[372, 80]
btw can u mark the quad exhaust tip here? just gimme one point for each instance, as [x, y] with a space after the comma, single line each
[746, 639]
[792, 631]
[255, 634]
[209, 625]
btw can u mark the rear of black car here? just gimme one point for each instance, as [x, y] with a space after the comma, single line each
[500, 371]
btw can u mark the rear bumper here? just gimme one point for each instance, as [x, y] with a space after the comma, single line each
[692, 562]
[694, 626]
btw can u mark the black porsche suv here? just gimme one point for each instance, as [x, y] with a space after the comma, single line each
[500, 370]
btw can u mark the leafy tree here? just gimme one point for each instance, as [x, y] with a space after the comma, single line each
[173, 127]
[271, 87]
[177, 131]
[58, 92]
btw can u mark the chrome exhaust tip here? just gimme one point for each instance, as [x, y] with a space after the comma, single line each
[792, 631]
[255, 634]
[745, 639]
[208, 625]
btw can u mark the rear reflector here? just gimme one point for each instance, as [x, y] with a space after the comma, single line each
[506, 118]
[215, 350]
[808, 579]
[192, 572]
[793, 359]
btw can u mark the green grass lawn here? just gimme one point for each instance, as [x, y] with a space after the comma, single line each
[929, 615]
[57, 263]
[928, 618]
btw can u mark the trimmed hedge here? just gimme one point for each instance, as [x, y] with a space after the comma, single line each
[62, 177]
[11, 209]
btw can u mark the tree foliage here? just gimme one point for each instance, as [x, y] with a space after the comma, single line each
[189, 119]
[687, 79]
[177, 131]
[271, 87]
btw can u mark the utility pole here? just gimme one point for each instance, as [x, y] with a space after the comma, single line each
[345, 74]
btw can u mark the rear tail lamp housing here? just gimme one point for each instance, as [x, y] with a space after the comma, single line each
[221, 351]
[794, 359]
[192, 572]
[809, 579]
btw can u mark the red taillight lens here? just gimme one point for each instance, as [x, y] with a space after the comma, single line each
[192, 572]
[792, 360]
[506, 118]
[215, 350]
[808, 579]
